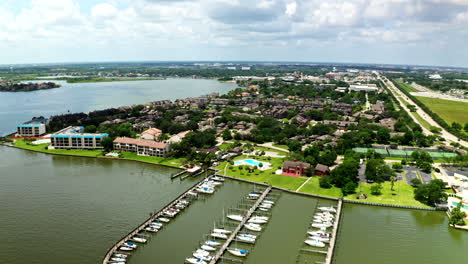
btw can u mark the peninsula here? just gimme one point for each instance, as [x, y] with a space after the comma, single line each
[12, 86]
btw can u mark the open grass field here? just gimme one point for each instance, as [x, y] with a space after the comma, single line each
[312, 186]
[408, 87]
[403, 194]
[450, 111]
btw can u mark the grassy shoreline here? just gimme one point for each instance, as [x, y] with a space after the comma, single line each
[42, 148]
[97, 80]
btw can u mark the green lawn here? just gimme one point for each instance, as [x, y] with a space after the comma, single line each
[421, 120]
[450, 111]
[20, 143]
[312, 186]
[403, 194]
[407, 87]
[281, 146]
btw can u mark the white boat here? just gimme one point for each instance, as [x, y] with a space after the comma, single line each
[320, 225]
[324, 215]
[192, 193]
[219, 235]
[152, 229]
[208, 248]
[321, 239]
[253, 196]
[268, 201]
[156, 223]
[120, 256]
[139, 239]
[130, 244]
[235, 217]
[222, 231]
[328, 209]
[253, 227]
[238, 252]
[119, 259]
[314, 243]
[202, 252]
[171, 212]
[195, 261]
[267, 205]
[319, 233]
[248, 235]
[263, 209]
[216, 178]
[254, 220]
[119, 262]
[164, 219]
[212, 243]
[215, 183]
[207, 190]
[246, 239]
[126, 248]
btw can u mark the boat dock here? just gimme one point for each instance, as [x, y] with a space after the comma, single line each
[153, 217]
[233, 235]
[336, 224]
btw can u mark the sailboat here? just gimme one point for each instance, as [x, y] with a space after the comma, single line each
[238, 252]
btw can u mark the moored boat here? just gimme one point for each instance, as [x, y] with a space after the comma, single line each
[195, 261]
[253, 227]
[314, 243]
[238, 252]
[235, 217]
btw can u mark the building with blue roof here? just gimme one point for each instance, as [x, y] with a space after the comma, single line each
[73, 137]
[33, 128]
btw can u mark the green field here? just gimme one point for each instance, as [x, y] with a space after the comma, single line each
[422, 121]
[450, 111]
[403, 194]
[407, 87]
[312, 186]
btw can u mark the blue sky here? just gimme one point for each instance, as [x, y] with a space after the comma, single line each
[422, 32]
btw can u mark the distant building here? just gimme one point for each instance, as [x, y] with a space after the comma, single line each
[364, 88]
[33, 128]
[178, 137]
[295, 168]
[151, 134]
[435, 77]
[141, 147]
[75, 138]
[231, 68]
[245, 68]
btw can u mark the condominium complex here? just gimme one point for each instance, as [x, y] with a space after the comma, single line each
[75, 138]
[33, 128]
[141, 146]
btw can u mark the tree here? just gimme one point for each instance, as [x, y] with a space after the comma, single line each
[457, 216]
[378, 171]
[397, 166]
[383, 135]
[466, 127]
[294, 146]
[392, 181]
[107, 143]
[432, 193]
[456, 126]
[227, 134]
[90, 129]
[325, 182]
[349, 188]
[376, 189]
[328, 158]
[416, 182]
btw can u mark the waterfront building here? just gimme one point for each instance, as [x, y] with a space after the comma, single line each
[151, 134]
[178, 137]
[141, 147]
[74, 138]
[295, 168]
[33, 128]
[321, 169]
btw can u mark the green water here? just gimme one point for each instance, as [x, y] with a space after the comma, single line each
[387, 236]
[71, 210]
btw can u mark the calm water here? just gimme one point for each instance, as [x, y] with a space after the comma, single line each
[71, 210]
[372, 235]
[85, 97]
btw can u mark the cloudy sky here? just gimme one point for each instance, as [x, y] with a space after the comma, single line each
[425, 32]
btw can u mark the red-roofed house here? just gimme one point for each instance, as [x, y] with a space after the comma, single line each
[151, 134]
[141, 147]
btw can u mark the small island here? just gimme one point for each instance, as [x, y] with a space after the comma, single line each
[12, 86]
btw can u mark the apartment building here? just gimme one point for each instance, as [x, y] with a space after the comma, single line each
[75, 138]
[33, 128]
[141, 147]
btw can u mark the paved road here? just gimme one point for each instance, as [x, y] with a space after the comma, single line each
[444, 133]
[410, 174]
[425, 177]
[361, 174]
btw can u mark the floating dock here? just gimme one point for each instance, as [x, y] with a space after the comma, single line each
[141, 228]
[331, 248]
[233, 235]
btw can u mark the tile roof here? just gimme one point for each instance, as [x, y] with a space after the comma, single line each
[141, 142]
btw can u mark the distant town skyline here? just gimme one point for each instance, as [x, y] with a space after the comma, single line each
[405, 32]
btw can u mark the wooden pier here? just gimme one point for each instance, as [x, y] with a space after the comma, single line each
[239, 227]
[331, 248]
[141, 228]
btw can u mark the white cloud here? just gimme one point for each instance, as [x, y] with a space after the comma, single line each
[291, 8]
[104, 10]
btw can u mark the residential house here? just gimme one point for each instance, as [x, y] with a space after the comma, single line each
[141, 147]
[151, 134]
[295, 168]
[321, 169]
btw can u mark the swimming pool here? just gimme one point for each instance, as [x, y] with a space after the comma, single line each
[252, 162]
[41, 141]
[463, 207]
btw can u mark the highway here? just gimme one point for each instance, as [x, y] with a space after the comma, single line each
[401, 97]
